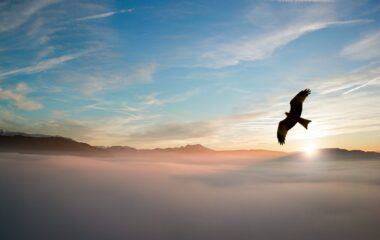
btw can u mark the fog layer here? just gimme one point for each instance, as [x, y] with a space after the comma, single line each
[59, 197]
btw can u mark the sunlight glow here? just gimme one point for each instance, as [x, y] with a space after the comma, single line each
[310, 150]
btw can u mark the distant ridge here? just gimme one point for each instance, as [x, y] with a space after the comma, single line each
[188, 148]
[349, 153]
[45, 144]
[119, 149]
[334, 154]
[10, 133]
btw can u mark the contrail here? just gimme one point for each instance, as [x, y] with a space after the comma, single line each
[104, 15]
[304, 1]
[360, 86]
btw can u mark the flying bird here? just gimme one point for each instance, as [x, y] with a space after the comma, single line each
[293, 117]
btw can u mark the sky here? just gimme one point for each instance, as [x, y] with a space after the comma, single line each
[168, 73]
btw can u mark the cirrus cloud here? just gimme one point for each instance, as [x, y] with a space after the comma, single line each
[366, 48]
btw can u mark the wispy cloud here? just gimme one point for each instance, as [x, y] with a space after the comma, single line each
[43, 65]
[45, 52]
[347, 81]
[17, 96]
[263, 46]
[98, 81]
[144, 73]
[208, 131]
[361, 86]
[173, 131]
[119, 108]
[365, 48]
[271, 27]
[14, 13]
[304, 1]
[152, 99]
[104, 15]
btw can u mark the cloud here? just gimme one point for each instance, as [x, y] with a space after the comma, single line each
[45, 52]
[42, 65]
[17, 96]
[304, 1]
[208, 131]
[120, 108]
[263, 46]
[152, 99]
[242, 117]
[22, 88]
[270, 28]
[50, 37]
[15, 13]
[99, 81]
[44, 28]
[361, 86]
[144, 73]
[173, 131]
[104, 15]
[245, 202]
[366, 48]
[347, 81]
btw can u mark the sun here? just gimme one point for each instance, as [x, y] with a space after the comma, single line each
[310, 149]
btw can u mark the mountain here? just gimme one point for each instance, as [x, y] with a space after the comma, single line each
[348, 154]
[334, 154]
[120, 149]
[196, 148]
[44, 144]
[10, 133]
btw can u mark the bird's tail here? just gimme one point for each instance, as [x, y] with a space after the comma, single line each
[304, 122]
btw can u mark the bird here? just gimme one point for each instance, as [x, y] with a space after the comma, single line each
[293, 117]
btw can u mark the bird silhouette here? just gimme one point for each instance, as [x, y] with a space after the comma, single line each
[293, 117]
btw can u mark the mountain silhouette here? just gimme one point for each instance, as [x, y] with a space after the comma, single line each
[333, 154]
[44, 144]
[190, 148]
[19, 142]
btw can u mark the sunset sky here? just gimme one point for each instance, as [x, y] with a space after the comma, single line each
[168, 73]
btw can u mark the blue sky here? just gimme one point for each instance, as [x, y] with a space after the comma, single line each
[168, 73]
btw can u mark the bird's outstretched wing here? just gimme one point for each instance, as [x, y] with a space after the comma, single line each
[296, 102]
[283, 128]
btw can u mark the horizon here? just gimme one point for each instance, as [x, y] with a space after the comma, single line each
[311, 151]
[161, 74]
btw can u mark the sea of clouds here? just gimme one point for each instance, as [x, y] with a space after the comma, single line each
[67, 197]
